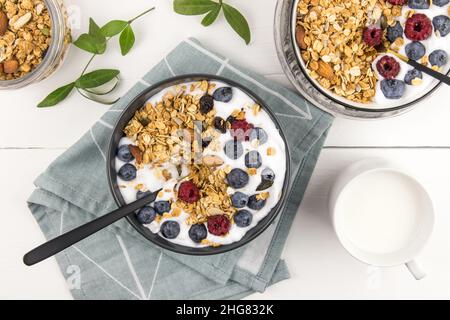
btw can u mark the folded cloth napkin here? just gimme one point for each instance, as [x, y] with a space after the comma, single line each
[118, 263]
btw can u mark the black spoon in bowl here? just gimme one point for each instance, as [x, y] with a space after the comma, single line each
[68, 239]
[433, 73]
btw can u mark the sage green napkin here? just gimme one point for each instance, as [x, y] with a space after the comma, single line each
[118, 263]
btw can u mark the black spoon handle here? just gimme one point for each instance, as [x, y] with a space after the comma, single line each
[64, 241]
[435, 74]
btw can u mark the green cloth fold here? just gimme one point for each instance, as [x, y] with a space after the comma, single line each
[118, 263]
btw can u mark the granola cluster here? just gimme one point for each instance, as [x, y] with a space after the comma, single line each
[165, 133]
[329, 34]
[25, 35]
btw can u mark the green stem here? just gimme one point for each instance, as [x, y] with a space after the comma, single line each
[142, 14]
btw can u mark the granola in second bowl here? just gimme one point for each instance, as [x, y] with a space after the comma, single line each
[216, 154]
[25, 35]
[342, 44]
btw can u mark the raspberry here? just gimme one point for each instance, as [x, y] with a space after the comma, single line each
[219, 225]
[397, 2]
[372, 36]
[188, 192]
[418, 27]
[388, 67]
[241, 129]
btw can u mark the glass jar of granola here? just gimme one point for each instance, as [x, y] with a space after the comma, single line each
[34, 38]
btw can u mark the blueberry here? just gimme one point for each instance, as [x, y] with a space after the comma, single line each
[253, 160]
[127, 172]
[442, 24]
[438, 58]
[198, 232]
[239, 200]
[267, 179]
[237, 178]
[394, 32]
[392, 88]
[170, 229]
[415, 50]
[233, 149]
[220, 124]
[141, 194]
[419, 4]
[255, 203]
[259, 134]
[162, 207]
[206, 104]
[243, 218]
[411, 75]
[440, 3]
[224, 94]
[124, 153]
[146, 215]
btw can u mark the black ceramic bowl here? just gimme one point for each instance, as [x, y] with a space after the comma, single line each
[117, 134]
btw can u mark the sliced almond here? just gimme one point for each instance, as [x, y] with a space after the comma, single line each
[325, 70]
[23, 20]
[136, 152]
[300, 37]
[212, 161]
[215, 212]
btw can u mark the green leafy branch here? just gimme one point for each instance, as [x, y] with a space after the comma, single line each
[90, 85]
[211, 10]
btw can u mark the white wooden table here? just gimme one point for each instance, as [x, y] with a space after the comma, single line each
[31, 138]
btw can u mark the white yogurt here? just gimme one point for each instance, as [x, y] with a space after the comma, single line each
[276, 162]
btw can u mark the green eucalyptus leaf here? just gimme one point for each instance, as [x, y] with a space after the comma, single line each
[96, 78]
[237, 21]
[96, 33]
[57, 96]
[211, 16]
[126, 40]
[87, 43]
[193, 7]
[113, 28]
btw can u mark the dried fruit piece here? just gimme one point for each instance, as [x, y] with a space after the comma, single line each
[372, 35]
[188, 192]
[300, 37]
[136, 152]
[10, 66]
[397, 2]
[219, 225]
[220, 124]
[241, 129]
[206, 104]
[325, 70]
[388, 67]
[418, 27]
[3, 23]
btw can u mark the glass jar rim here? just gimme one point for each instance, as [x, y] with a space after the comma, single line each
[58, 27]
